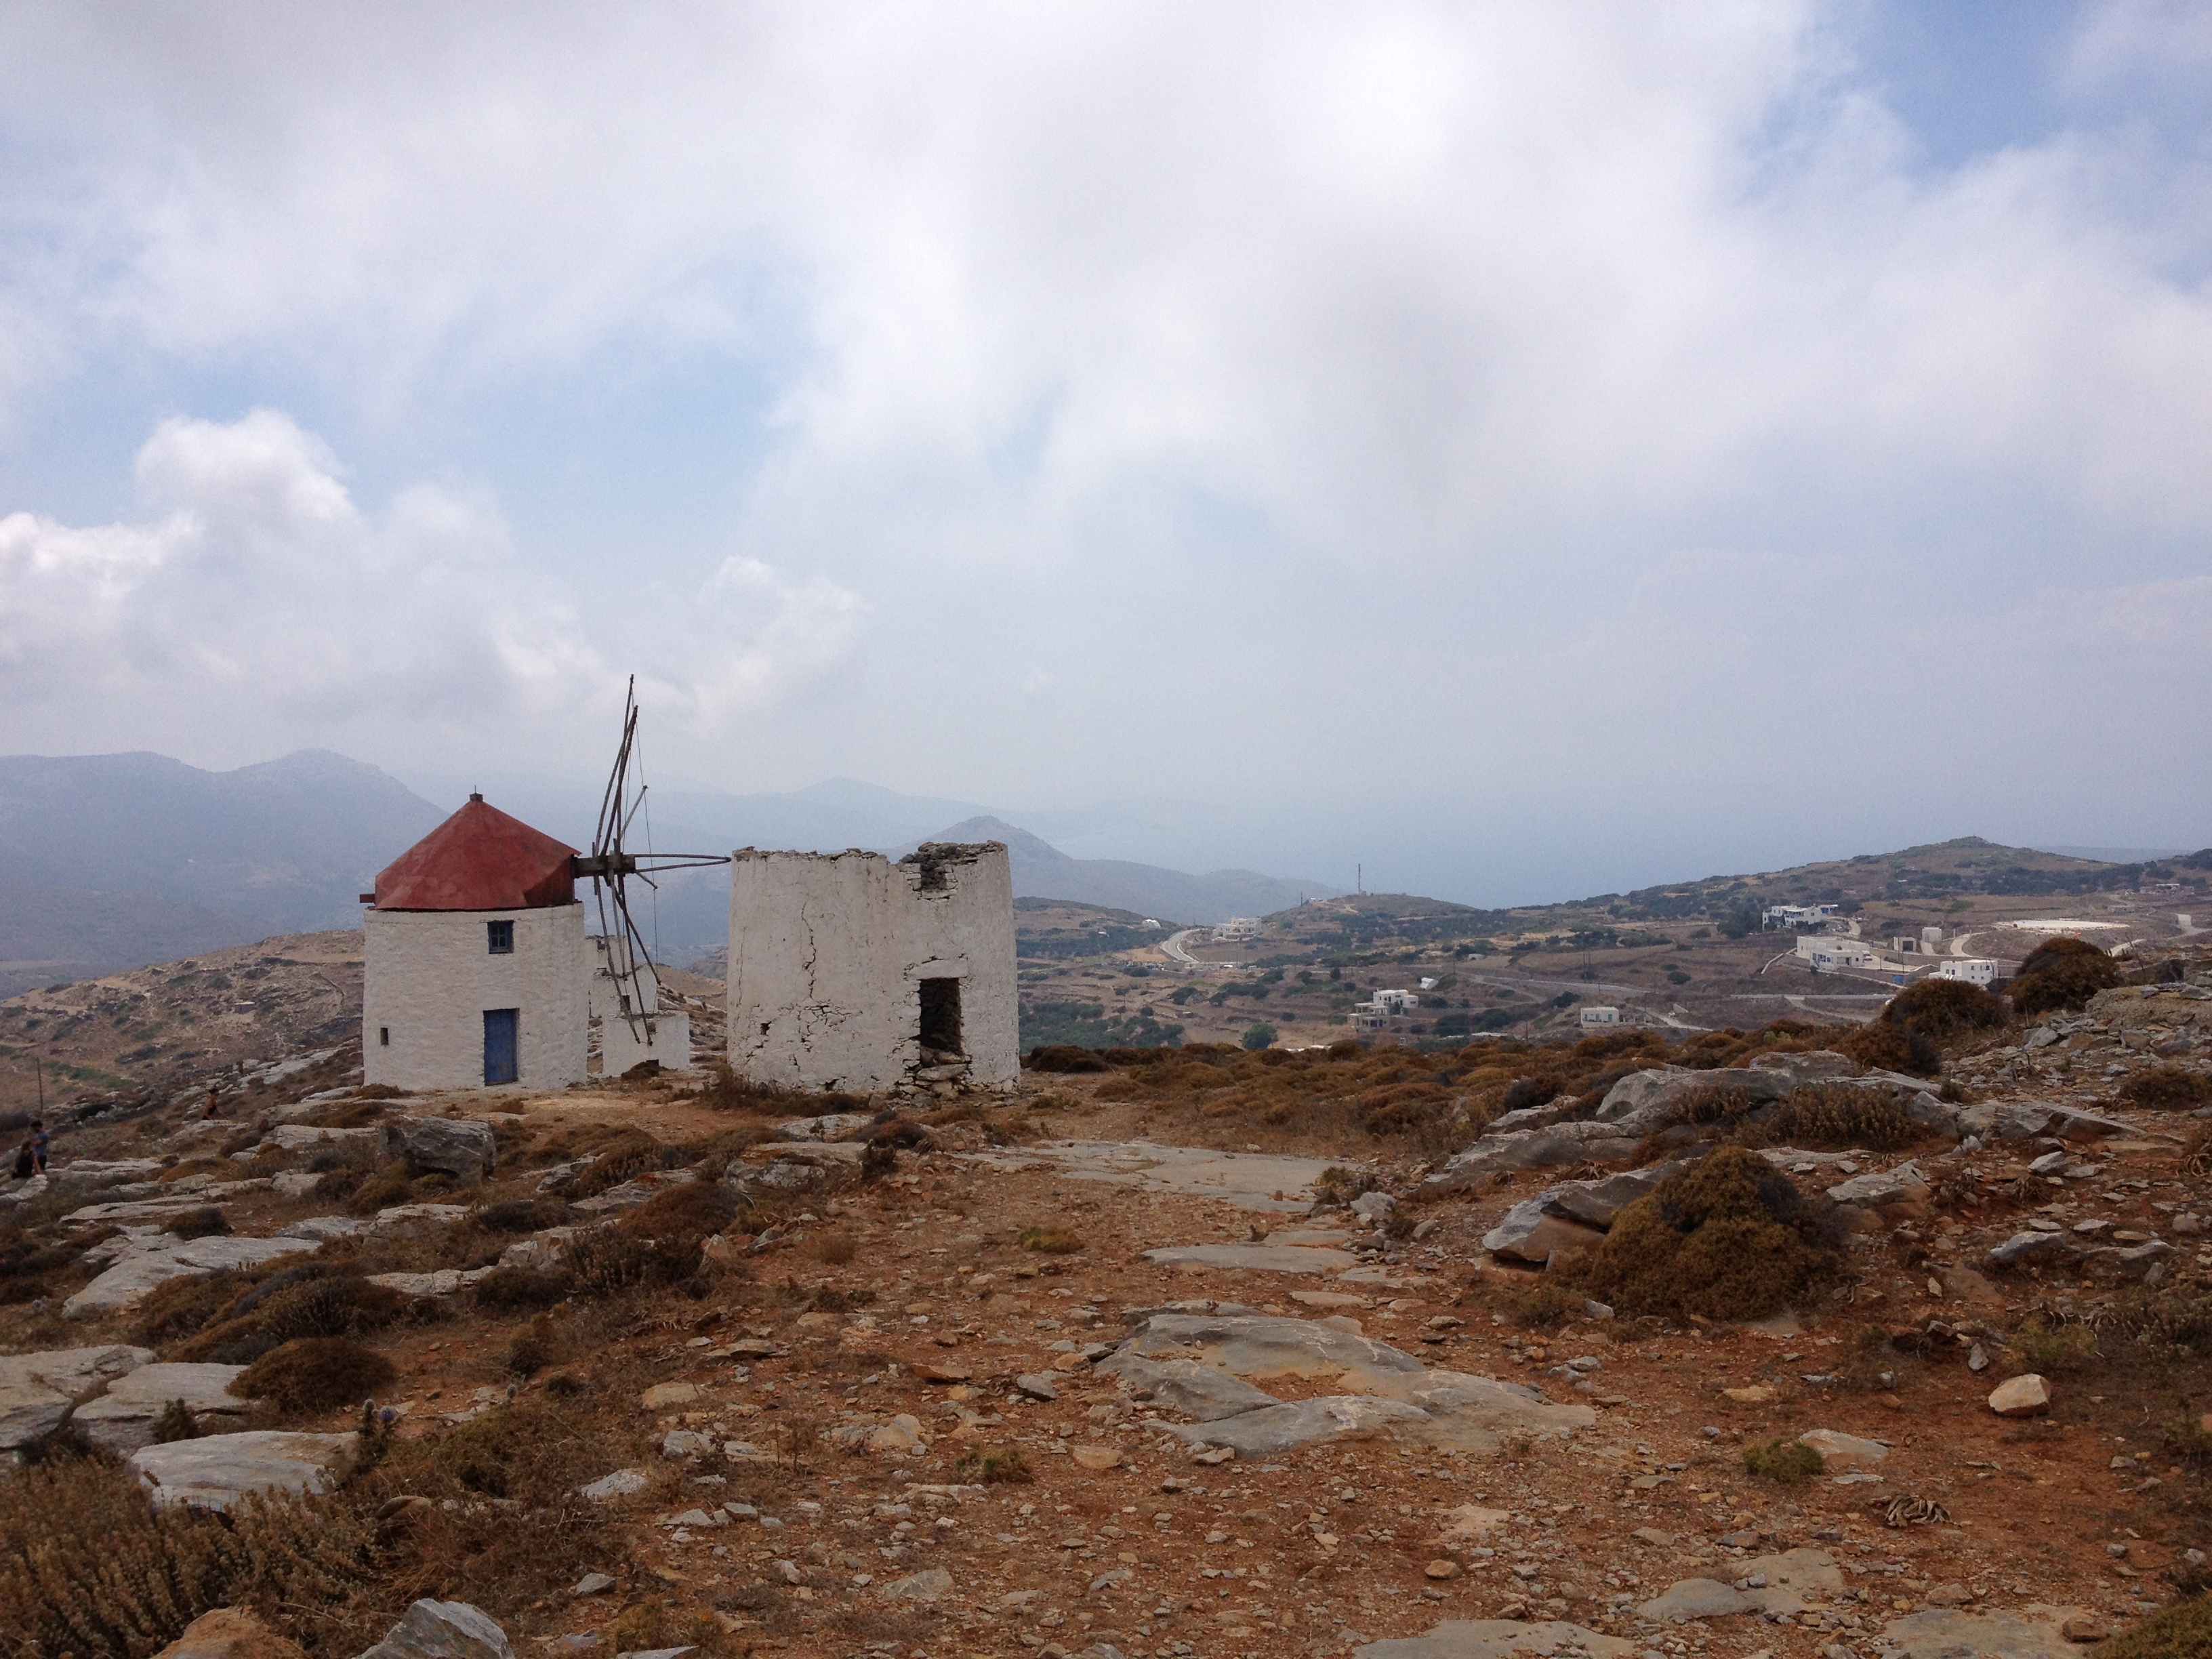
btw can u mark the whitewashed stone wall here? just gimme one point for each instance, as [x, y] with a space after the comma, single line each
[660, 1033]
[827, 955]
[429, 977]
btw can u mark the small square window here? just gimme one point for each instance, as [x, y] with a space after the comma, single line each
[383, 1037]
[500, 936]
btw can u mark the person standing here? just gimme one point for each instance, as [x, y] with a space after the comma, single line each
[39, 1139]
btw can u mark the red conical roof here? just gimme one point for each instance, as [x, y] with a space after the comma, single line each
[479, 860]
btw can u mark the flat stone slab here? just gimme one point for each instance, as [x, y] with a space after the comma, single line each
[131, 1279]
[444, 1281]
[1948, 1633]
[1499, 1638]
[1795, 1579]
[321, 1227]
[1275, 1429]
[1258, 1347]
[1256, 1258]
[1251, 1181]
[39, 1391]
[414, 1220]
[298, 1137]
[217, 1471]
[1200, 1392]
[1529, 1232]
[1695, 1598]
[443, 1630]
[830, 1126]
[1307, 1236]
[94, 1172]
[124, 1418]
[1839, 1450]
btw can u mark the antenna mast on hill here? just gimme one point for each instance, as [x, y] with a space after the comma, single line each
[610, 864]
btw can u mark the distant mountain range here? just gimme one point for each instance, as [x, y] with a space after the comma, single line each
[116, 860]
[113, 861]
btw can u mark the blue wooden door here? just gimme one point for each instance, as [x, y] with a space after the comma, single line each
[501, 1062]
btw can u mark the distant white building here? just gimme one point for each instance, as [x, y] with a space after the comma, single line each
[1236, 928]
[1975, 970]
[1364, 1018]
[1778, 917]
[1396, 1002]
[1832, 956]
[1590, 1016]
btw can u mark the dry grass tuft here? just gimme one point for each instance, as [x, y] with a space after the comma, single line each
[991, 1465]
[834, 1249]
[1786, 1462]
[1050, 1241]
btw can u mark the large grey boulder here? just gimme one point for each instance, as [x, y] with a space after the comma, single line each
[300, 1137]
[1821, 1065]
[1530, 1149]
[1529, 1231]
[1200, 1392]
[94, 1172]
[216, 1471]
[1573, 1215]
[1499, 1638]
[460, 1147]
[124, 1417]
[1795, 1579]
[1644, 1101]
[443, 1630]
[1903, 1185]
[2033, 1247]
[39, 1391]
[133, 1278]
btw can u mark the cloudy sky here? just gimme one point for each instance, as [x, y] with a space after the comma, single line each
[1526, 448]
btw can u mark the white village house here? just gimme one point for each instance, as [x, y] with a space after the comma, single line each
[477, 969]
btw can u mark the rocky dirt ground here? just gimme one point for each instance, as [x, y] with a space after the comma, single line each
[1104, 1367]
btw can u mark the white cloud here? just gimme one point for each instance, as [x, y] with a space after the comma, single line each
[260, 596]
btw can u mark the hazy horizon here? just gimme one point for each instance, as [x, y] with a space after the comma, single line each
[1525, 451]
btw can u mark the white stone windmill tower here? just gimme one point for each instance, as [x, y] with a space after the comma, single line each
[477, 964]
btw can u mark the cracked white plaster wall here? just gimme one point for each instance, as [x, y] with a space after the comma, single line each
[825, 952]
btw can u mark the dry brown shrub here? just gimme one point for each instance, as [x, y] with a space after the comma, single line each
[2166, 1089]
[1833, 1115]
[1729, 1237]
[834, 1249]
[2061, 973]
[1942, 1009]
[314, 1374]
[312, 1299]
[1050, 1241]
[1882, 1046]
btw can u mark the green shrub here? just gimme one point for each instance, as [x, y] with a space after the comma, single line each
[1258, 1035]
[1788, 1461]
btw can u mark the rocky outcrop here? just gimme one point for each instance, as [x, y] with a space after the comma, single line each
[217, 1471]
[39, 1391]
[462, 1148]
[134, 1277]
[443, 1630]
[124, 1417]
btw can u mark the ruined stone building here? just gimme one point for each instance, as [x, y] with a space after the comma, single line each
[849, 971]
[475, 963]
[628, 1016]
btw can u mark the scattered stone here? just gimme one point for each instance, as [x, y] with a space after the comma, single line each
[1530, 1232]
[1442, 1567]
[1037, 1387]
[1096, 1459]
[592, 1583]
[620, 1483]
[443, 1630]
[2021, 1396]
[462, 1148]
[216, 1471]
[2022, 1246]
[1877, 1189]
[927, 1585]
[2085, 1627]
[661, 1395]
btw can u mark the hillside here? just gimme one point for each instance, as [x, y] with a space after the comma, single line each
[127, 858]
[1042, 870]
